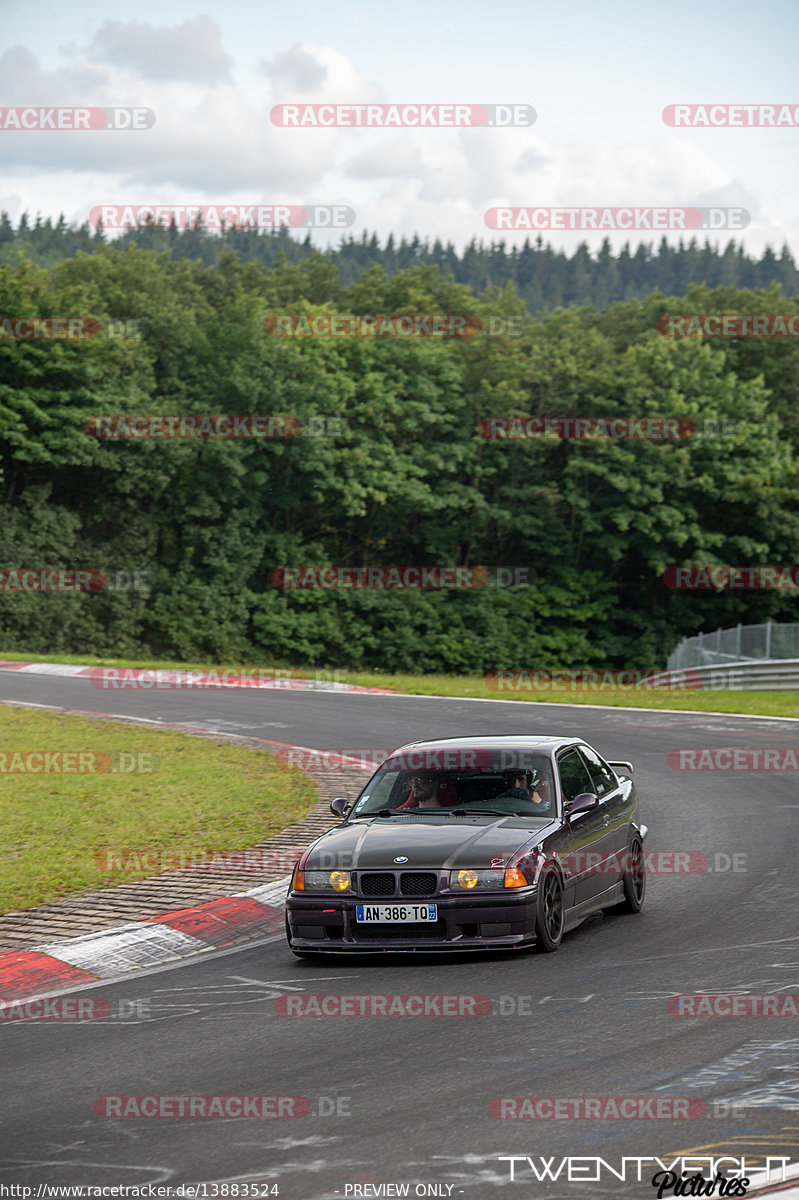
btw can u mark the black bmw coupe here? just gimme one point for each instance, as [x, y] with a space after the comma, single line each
[469, 844]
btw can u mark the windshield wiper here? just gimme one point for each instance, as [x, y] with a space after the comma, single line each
[492, 812]
[405, 812]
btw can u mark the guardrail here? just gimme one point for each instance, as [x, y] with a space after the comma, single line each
[739, 644]
[779, 675]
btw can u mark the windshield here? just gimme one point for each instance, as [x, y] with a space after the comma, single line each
[524, 789]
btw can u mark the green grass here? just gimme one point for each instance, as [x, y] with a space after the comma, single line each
[61, 831]
[770, 704]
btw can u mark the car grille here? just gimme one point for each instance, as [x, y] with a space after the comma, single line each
[377, 884]
[399, 932]
[418, 883]
[411, 883]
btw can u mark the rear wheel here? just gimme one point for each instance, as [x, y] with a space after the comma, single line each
[634, 878]
[549, 918]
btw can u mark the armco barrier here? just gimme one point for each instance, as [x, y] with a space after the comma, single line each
[779, 675]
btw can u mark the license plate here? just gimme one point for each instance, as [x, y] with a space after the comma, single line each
[396, 913]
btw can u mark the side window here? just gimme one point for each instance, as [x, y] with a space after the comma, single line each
[574, 777]
[603, 778]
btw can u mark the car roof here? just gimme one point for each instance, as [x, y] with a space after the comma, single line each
[545, 743]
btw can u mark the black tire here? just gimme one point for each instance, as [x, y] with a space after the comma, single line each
[634, 878]
[549, 917]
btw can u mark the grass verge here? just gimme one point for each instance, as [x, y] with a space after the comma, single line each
[185, 796]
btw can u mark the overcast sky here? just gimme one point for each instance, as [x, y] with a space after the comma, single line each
[598, 76]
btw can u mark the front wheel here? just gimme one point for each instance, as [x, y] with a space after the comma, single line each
[549, 917]
[634, 878]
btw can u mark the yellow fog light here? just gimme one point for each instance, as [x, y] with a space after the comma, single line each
[514, 877]
[467, 879]
[340, 880]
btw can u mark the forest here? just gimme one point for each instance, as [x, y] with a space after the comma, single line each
[385, 461]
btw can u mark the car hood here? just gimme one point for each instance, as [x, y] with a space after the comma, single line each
[426, 842]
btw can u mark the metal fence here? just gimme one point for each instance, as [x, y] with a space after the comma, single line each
[741, 644]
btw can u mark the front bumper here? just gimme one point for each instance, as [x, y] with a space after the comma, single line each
[324, 924]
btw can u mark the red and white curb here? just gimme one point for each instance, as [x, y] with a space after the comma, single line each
[144, 678]
[220, 924]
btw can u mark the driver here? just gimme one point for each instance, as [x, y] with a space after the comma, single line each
[524, 786]
[429, 789]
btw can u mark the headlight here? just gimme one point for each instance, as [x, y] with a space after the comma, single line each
[322, 881]
[470, 881]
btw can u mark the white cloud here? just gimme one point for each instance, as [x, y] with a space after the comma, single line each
[191, 52]
[219, 146]
[294, 70]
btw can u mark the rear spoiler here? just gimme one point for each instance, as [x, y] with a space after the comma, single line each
[627, 767]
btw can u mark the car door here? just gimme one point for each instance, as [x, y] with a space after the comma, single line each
[593, 843]
[612, 803]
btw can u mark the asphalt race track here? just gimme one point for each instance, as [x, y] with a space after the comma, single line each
[406, 1099]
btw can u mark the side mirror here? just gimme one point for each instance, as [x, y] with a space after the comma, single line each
[583, 803]
[339, 806]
